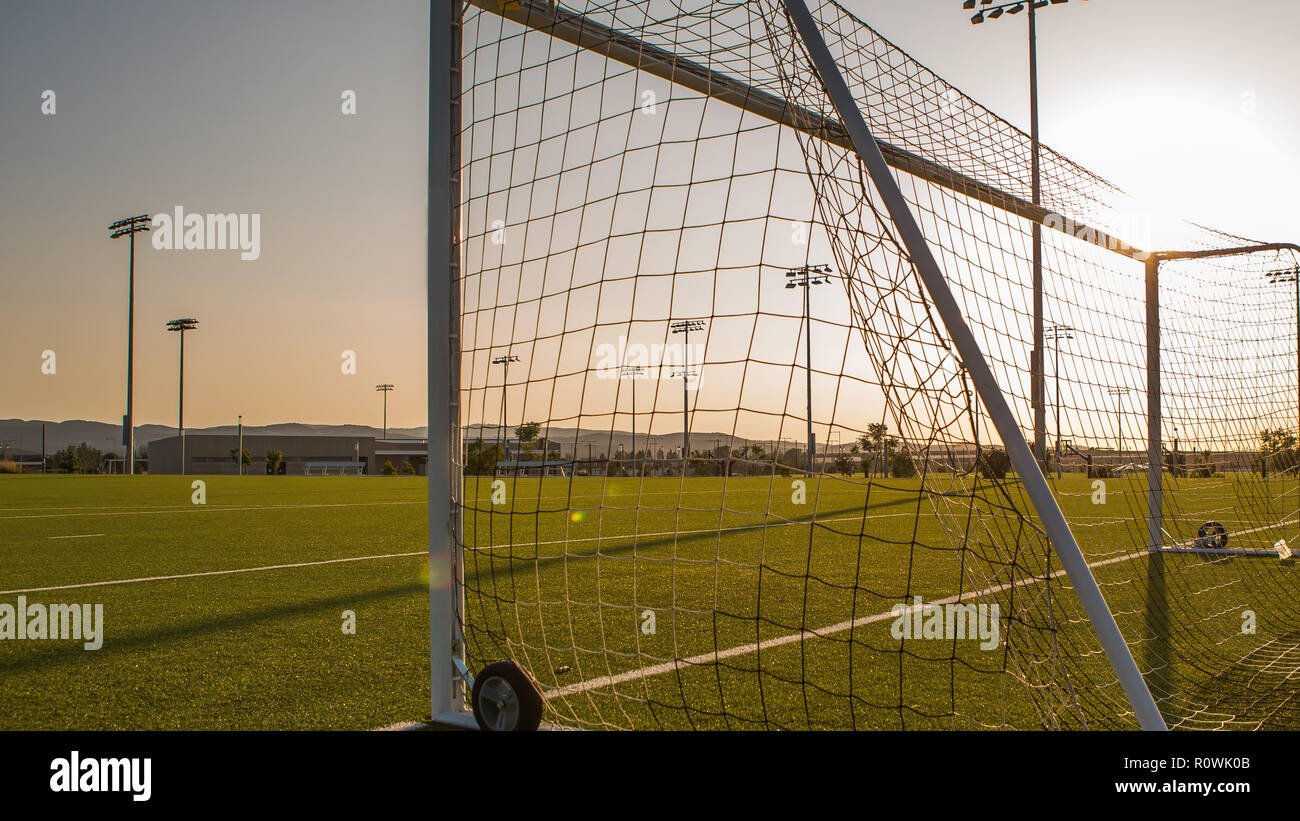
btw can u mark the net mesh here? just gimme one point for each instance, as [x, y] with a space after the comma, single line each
[649, 331]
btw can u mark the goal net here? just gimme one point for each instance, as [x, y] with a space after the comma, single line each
[724, 465]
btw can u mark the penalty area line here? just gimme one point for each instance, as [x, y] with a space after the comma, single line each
[794, 638]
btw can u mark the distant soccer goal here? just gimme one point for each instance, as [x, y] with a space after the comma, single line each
[334, 468]
[754, 422]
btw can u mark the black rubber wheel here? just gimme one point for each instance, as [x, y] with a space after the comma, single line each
[505, 699]
[1212, 534]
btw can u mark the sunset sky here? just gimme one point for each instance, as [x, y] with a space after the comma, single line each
[235, 108]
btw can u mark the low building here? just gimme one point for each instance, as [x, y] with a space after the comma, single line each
[212, 454]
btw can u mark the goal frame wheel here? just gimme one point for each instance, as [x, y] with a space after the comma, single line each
[505, 699]
[1212, 535]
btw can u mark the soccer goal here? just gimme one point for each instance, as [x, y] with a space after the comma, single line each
[766, 282]
[339, 468]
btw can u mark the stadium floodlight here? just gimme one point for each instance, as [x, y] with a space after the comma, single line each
[1037, 387]
[1054, 334]
[685, 374]
[129, 227]
[806, 277]
[182, 325]
[239, 448]
[504, 361]
[633, 372]
[1119, 394]
[385, 388]
[1282, 277]
[685, 326]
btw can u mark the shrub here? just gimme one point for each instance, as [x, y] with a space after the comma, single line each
[408, 469]
[481, 459]
[1204, 466]
[388, 469]
[901, 466]
[994, 463]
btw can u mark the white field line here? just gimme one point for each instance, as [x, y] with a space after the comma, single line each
[655, 534]
[212, 508]
[832, 629]
[81, 536]
[401, 726]
[365, 558]
[745, 649]
[212, 573]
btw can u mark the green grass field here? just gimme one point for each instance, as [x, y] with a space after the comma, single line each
[240, 651]
[562, 576]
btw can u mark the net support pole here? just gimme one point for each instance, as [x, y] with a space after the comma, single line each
[1026, 465]
[1155, 518]
[1037, 382]
[446, 644]
[1157, 616]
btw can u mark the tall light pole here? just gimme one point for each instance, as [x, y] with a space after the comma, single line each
[1281, 277]
[129, 227]
[239, 451]
[385, 388]
[1037, 389]
[806, 277]
[685, 326]
[182, 325]
[504, 361]
[1119, 394]
[1055, 334]
[634, 372]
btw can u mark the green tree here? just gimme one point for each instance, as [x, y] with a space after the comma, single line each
[67, 461]
[1277, 448]
[244, 456]
[90, 458]
[407, 468]
[273, 460]
[481, 459]
[876, 442]
[994, 463]
[901, 466]
[1204, 467]
[529, 446]
[388, 469]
